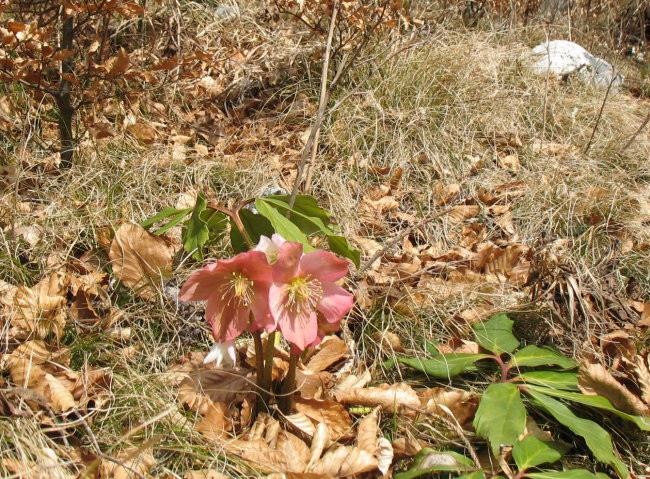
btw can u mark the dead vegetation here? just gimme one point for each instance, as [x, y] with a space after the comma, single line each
[442, 157]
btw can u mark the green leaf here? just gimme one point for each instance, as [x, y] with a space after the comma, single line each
[599, 402]
[340, 246]
[431, 347]
[164, 213]
[496, 334]
[444, 366]
[216, 222]
[533, 356]
[283, 226]
[552, 379]
[570, 474]
[256, 226]
[598, 440]
[177, 218]
[429, 460]
[473, 475]
[531, 452]
[305, 214]
[196, 232]
[501, 415]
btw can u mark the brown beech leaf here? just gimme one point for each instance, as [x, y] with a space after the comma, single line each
[118, 64]
[461, 404]
[290, 454]
[595, 379]
[204, 474]
[216, 424]
[145, 134]
[131, 459]
[404, 447]
[140, 260]
[333, 414]
[302, 423]
[397, 398]
[319, 442]
[331, 350]
[40, 309]
[368, 431]
[345, 461]
[200, 388]
[384, 455]
[61, 398]
[643, 374]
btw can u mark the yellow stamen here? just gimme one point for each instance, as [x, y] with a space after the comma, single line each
[238, 288]
[304, 293]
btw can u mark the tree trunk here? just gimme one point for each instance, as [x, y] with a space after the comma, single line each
[64, 97]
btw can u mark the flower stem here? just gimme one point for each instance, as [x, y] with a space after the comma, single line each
[289, 386]
[262, 397]
[268, 365]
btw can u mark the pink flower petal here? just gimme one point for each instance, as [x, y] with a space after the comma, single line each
[336, 302]
[262, 318]
[202, 283]
[323, 265]
[300, 329]
[286, 267]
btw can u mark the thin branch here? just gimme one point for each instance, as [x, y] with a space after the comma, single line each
[637, 133]
[600, 112]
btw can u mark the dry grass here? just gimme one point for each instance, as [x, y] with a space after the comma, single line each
[430, 110]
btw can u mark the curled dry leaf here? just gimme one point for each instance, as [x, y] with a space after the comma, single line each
[595, 379]
[388, 340]
[333, 414]
[201, 388]
[345, 461]
[384, 455]
[397, 398]
[404, 447]
[130, 460]
[462, 404]
[332, 350]
[204, 474]
[39, 310]
[303, 424]
[320, 441]
[48, 465]
[60, 396]
[140, 260]
[216, 424]
[368, 431]
[290, 454]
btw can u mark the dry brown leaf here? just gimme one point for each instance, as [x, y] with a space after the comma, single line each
[313, 384]
[333, 414]
[216, 424]
[140, 260]
[595, 379]
[130, 460]
[510, 163]
[61, 398]
[302, 423]
[404, 447]
[384, 455]
[461, 404]
[320, 441]
[368, 431]
[461, 213]
[332, 350]
[118, 64]
[445, 194]
[388, 340]
[645, 316]
[643, 375]
[397, 398]
[204, 474]
[48, 465]
[40, 309]
[290, 454]
[511, 264]
[345, 461]
[200, 388]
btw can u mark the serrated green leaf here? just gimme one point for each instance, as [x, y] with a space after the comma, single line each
[531, 452]
[164, 213]
[283, 226]
[552, 379]
[444, 366]
[532, 356]
[196, 232]
[256, 226]
[598, 440]
[570, 474]
[501, 415]
[341, 246]
[599, 402]
[217, 223]
[495, 335]
[428, 461]
[174, 220]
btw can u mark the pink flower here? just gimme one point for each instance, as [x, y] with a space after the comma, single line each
[233, 288]
[304, 293]
[270, 246]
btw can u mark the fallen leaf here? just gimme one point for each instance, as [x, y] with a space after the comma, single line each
[131, 459]
[203, 387]
[61, 397]
[332, 350]
[345, 461]
[595, 379]
[216, 424]
[204, 474]
[118, 64]
[368, 431]
[319, 442]
[462, 404]
[384, 455]
[333, 414]
[397, 398]
[140, 260]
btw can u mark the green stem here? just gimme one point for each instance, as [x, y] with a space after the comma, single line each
[289, 386]
[268, 364]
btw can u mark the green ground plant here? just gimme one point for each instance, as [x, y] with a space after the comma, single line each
[527, 378]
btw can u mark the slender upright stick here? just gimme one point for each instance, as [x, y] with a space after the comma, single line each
[289, 385]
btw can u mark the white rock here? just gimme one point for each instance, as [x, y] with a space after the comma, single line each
[562, 57]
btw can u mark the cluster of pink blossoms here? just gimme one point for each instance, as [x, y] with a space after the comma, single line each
[284, 289]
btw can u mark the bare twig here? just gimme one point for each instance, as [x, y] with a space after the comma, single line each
[324, 96]
[600, 112]
[637, 133]
[403, 234]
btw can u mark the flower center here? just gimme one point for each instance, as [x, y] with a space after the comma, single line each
[304, 293]
[239, 288]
